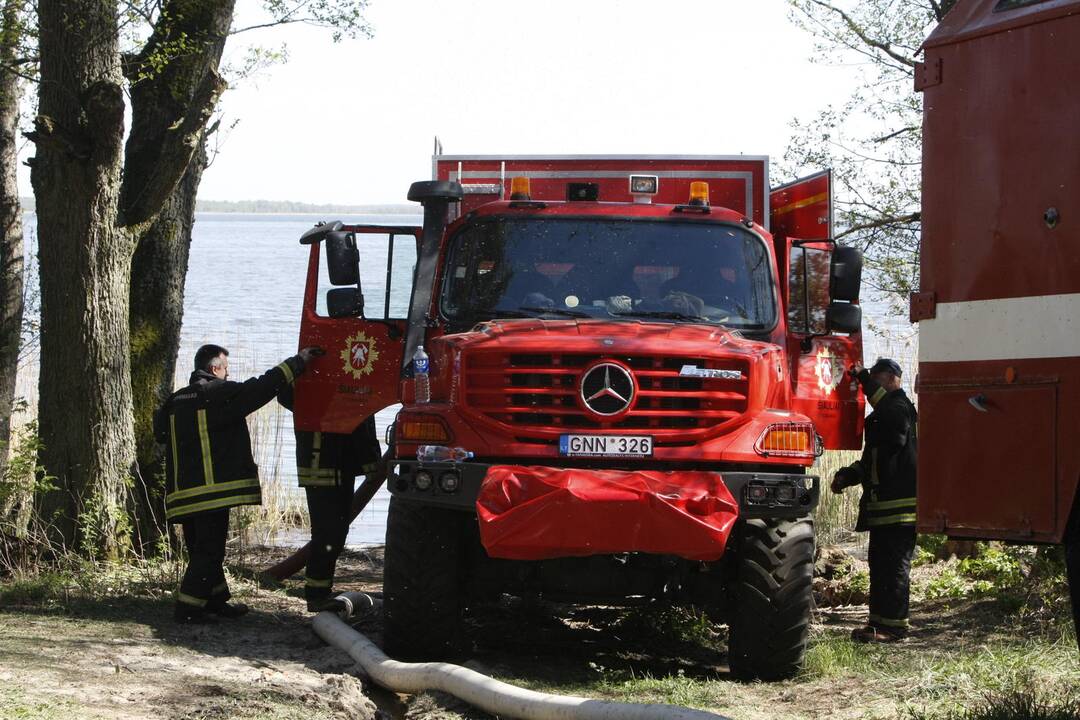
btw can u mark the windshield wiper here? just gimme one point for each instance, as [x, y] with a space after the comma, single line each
[556, 311]
[527, 311]
[662, 314]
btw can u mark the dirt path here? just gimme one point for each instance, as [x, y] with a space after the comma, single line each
[125, 658]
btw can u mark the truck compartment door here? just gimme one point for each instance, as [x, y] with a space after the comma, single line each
[822, 389]
[803, 208]
[360, 373]
[994, 447]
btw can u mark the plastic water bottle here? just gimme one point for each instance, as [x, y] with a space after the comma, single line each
[421, 381]
[441, 453]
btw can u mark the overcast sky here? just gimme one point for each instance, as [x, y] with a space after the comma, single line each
[354, 122]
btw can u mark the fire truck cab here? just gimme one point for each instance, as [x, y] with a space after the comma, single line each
[643, 355]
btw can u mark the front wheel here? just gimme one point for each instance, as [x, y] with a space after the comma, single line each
[771, 593]
[421, 580]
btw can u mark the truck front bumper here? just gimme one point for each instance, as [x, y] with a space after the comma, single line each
[772, 503]
[460, 485]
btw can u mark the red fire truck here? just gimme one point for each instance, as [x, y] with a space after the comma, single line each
[643, 354]
[999, 300]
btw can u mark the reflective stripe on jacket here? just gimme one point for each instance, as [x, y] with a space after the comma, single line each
[208, 460]
[328, 459]
[887, 467]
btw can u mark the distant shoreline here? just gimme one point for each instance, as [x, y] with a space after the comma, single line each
[283, 207]
[286, 207]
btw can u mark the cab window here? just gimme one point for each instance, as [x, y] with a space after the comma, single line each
[387, 265]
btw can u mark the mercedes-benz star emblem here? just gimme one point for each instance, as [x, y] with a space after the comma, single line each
[607, 389]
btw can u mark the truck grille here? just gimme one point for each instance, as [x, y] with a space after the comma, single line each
[537, 394]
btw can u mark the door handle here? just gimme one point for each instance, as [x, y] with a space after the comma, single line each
[978, 402]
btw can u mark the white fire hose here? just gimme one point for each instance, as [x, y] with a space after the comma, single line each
[486, 693]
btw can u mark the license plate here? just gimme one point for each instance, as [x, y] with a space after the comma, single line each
[606, 445]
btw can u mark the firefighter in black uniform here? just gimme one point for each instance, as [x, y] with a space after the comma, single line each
[209, 469]
[886, 472]
[327, 465]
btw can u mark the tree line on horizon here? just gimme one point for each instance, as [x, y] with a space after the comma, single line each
[280, 206]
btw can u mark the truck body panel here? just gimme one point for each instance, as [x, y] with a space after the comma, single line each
[739, 182]
[999, 299]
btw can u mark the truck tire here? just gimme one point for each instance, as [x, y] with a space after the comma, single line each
[421, 582]
[771, 597]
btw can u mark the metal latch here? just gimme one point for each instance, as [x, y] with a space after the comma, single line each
[923, 306]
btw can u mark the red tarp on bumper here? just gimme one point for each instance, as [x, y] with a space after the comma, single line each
[533, 513]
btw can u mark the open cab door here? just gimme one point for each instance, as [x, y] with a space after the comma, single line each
[356, 305]
[823, 315]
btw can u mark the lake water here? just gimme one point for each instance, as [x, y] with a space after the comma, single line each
[244, 291]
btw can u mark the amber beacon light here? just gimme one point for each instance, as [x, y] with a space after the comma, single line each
[519, 188]
[699, 193]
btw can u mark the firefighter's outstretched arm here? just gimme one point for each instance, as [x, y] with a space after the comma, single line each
[256, 392]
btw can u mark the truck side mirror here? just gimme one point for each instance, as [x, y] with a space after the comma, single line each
[342, 258]
[843, 317]
[344, 302]
[845, 274]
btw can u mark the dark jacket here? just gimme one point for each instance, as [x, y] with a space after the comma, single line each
[208, 462]
[887, 467]
[328, 459]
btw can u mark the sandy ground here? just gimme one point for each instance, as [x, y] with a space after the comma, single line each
[127, 659]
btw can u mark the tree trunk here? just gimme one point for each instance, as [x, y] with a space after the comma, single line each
[11, 232]
[169, 109]
[157, 309]
[85, 260]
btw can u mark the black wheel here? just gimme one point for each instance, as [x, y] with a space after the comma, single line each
[771, 597]
[421, 581]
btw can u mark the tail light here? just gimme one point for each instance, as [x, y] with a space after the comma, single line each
[788, 440]
[419, 428]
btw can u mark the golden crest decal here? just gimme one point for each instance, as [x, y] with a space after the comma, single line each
[359, 355]
[829, 370]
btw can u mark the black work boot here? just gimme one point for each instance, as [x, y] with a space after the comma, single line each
[327, 602]
[185, 614]
[226, 609]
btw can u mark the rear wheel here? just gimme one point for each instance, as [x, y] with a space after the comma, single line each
[421, 581]
[771, 597]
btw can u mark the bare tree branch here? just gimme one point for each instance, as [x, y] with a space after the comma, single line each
[898, 133]
[880, 223]
[861, 34]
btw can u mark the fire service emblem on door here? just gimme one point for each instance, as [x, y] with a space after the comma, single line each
[359, 355]
[829, 370]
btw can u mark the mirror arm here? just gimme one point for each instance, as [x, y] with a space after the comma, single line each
[800, 243]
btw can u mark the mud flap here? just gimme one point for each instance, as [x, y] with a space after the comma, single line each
[536, 513]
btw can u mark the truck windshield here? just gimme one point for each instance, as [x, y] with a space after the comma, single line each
[612, 269]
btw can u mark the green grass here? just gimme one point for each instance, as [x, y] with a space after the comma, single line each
[1023, 703]
[833, 655]
[16, 705]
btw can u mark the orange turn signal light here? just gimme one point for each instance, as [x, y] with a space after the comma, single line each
[519, 188]
[788, 440]
[422, 429]
[699, 193]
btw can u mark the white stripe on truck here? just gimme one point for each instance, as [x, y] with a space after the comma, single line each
[1023, 328]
